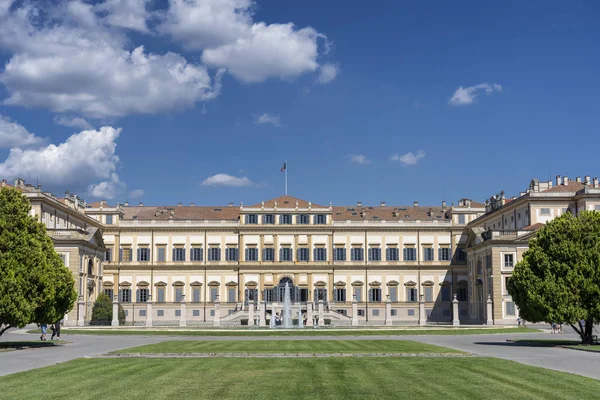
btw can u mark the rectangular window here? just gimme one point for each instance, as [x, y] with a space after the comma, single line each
[212, 313]
[339, 294]
[392, 254]
[160, 295]
[142, 313]
[285, 254]
[108, 255]
[231, 254]
[544, 211]
[358, 293]
[506, 280]
[231, 294]
[597, 207]
[268, 219]
[109, 293]
[268, 254]
[361, 313]
[374, 254]
[303, 219]
[320, 254]
[508, 261]
[461, 294]
[251, 219]
[178, 313]
[196, 295]
[109, 219]
[178, 294]
[320, 219]
[428, 294]
[445, 293]
[268, 295]
[179, 254]
[162, 251]
[461, 218]
[444, 254]
[411, 294]
[374, 295]
[195, 313]
[124, 295]
[461, 255]
[160, 313]
[411, 312]
[394, 312]
[214, 293]
[285, 219]
[410, 254]
[510, 308]
[357, 254]
[339, 254]
[393, 290]
[142, 295]
[214, 254]
[375, 313]
[427, 253]
[125, 254]
[196, 253]
[143, 254]
[303, 254]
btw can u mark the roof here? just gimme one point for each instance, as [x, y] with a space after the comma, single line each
[286, 202]
[422, 213]
[570, 187]
[197, 213]
[533, 227]
[474, 204]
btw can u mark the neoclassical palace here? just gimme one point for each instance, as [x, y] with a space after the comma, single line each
[353, 265]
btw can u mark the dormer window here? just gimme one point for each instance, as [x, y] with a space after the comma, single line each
[109, 219]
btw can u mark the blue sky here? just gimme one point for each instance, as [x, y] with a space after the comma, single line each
[392, 101]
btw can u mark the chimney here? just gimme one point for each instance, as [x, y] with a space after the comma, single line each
[141, 204]
[359, 204]
[383, 204]
[565, 180]
[443, 205]
[192, 204]
[126, 204]
[595, 183]
[558, 182]
[587, 180]
[102, 203]
[430, 212]
[230, 204]
[416, 204]
[178, 204]
[578, 179]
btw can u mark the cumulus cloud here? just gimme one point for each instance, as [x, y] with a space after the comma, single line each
[129, 14]
[408, 158]
[73, 122]
[267, 118]
[467, 95]
[227, 180]
[134, 194]
[327, 73]
[85, 161]
[13, 134]
[359, 159]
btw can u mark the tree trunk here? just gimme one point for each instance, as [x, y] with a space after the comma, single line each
[5, 329]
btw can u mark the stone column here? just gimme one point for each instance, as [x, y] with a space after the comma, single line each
[183, 317]
[217, 318]
[80, 311]
[388, 311]
[262, 320]
[489, 312]
[115, 317]
[354, 311]
[149, 311]
[455, 316]
[250, 313]
[321, 314]
[309, 313]
[422, 314]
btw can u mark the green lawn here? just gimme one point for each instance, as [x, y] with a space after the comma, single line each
[299, 332]
[281, 378]
[289, 346]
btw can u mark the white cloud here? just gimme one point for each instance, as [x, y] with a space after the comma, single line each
[327, 73]
[227, 180]
[134, 194]
[359, 159]
[467, 95]
[408, 158]
[85, 161]
[267, 118]
[73, 122]
[13, 134]
[129, 14]
[68, 67]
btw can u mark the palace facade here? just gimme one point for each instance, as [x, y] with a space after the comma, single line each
[356, 265]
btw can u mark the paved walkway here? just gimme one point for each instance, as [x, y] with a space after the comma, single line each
[491, 345]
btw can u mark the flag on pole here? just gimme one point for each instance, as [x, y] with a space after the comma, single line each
[284, 166]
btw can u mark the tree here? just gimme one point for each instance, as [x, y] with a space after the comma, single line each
[558, 279]
[103, 310]
[35, 285]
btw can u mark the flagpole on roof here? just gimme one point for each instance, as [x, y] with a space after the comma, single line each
[285, 177]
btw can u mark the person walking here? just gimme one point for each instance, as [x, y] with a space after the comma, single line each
[56, 331]
[44, 327]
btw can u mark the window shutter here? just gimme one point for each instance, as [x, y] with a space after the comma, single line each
[139, 252]
[137, 294]
[370, 294]
[120, 254]
[246, 254]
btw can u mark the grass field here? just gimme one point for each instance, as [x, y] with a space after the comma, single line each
[298, 332]
[289, 346]
[325, 378]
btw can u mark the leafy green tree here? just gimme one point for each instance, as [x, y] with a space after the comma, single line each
[35, 285]
[558, 279]
[103, 310]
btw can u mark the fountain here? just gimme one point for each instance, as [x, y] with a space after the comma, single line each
[286, 321]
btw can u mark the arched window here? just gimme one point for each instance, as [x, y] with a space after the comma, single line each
[90, 267]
